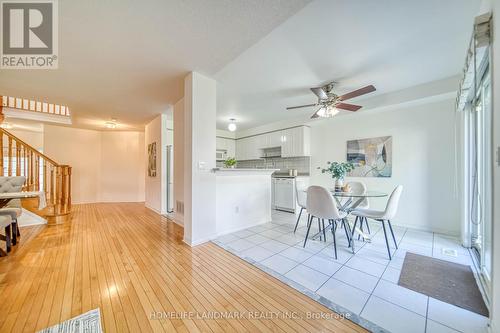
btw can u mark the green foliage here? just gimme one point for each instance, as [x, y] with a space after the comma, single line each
[337, 170]
[229, 162]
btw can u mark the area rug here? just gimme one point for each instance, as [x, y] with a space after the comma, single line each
[443, 280]
[89, 322]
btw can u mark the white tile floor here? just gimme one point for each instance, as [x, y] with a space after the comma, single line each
[365, 283]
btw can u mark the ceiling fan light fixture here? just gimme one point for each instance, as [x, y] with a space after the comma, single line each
[327, 112]
[232, 125]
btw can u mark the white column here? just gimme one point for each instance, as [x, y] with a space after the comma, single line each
[199, 158]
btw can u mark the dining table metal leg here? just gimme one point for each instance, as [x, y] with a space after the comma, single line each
[347, 232]
[360, 225]
[367, 225]
[334, 239]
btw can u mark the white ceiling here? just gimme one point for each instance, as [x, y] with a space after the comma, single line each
[127, 59]
[392, 44]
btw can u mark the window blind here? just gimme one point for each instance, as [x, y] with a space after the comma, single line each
[475, 61]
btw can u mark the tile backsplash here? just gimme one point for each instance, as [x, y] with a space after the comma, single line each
[302, 164]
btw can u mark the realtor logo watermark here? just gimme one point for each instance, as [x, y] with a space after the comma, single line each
[29, 34]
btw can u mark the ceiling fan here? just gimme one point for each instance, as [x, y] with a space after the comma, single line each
[330, 103]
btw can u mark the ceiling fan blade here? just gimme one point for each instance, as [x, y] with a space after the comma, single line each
[320, 93]
[356, 93]
[348, 107]
[301, 106]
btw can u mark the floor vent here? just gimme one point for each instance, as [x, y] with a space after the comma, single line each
[449, 252]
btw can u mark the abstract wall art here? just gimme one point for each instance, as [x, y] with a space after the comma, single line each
[152, 159]
[371, 157]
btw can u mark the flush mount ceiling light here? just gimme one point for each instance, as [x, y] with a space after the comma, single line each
[232, 125]
[111, 124]
[6, 125]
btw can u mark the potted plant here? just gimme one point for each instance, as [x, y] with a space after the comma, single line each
[338, 170]
[230, 162]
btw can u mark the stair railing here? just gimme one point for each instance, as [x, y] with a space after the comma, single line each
[17, 158]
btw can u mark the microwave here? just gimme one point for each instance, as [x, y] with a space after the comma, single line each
[220, 155]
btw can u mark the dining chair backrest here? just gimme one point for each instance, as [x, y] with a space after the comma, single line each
[392, 204]
[320, 203]
[11, 184]
[359, 187]
[301, 196]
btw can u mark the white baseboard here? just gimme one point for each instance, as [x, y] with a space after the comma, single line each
[152, 208]
[198, 241]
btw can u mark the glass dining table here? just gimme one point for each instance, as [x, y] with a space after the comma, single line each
[347, 202]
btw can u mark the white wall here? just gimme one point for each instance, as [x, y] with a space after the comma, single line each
[34, 139]
[179, 160]
[156, 187]
[199, 158]
[122, 167]
[106, 166]
[423, 160]
[81, 149]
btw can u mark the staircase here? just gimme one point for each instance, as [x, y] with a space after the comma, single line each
[18, 158]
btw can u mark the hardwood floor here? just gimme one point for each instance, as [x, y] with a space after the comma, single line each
[133, 265]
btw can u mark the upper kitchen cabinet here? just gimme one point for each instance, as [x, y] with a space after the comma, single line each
[295, 142]
[226, 144]
[247, 149]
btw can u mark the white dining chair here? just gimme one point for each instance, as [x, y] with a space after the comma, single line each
[383, 215]
[321, 205]
[360, 187]
[301, 197]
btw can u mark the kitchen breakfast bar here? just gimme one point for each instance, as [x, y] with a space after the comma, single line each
[243, 198]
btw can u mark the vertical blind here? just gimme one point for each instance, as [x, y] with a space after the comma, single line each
[475, 61]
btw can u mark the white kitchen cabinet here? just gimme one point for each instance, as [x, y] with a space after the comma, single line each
[227, 144]
[296, 142]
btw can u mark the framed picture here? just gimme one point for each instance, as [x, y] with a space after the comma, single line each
[152, 159]
[371, 157]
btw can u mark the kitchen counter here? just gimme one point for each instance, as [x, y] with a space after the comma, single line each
[243, 198]
[286, 175]
[229, 171]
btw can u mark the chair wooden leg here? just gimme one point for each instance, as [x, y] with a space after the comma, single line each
[334, 227]
[386, 241]
[7, 238]
[392, 232]
[298, 219]
[14, 232]
[309, 223]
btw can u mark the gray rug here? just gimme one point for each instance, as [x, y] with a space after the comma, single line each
[89, 322]
[443, 280]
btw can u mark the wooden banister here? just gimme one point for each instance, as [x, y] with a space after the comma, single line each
[42, 174]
